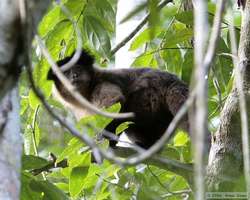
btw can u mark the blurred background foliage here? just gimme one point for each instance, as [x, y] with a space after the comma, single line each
[168, 45]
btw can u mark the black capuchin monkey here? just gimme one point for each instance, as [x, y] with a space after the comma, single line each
[154, 96]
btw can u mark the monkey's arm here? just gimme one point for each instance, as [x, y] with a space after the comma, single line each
[175, 96]
[104, 95]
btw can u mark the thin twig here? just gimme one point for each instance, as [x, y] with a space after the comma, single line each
[181, 192]
[34, 130]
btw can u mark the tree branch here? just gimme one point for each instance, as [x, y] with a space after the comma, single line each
[10, 44]
[139, 26]
[226, 157]
[199, 116]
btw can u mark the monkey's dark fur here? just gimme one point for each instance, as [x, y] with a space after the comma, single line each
[153, 95]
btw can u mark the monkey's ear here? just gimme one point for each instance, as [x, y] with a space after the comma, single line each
[51, 75]
[86, 59]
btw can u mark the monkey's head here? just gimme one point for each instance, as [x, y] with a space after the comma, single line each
[80, 75]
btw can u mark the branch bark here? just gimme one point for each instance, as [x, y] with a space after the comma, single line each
[225, 166]
[10, 158]
[9, 44]
[12, 40]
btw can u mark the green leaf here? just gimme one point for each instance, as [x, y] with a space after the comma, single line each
[63, 186]
[145, 60]
[92, 178]
[80, 159]
[181, 139]
[145, 36]
[37, 134]
[56, 15]
[98, 121]
[29, 132]
[26, 192]
[33, 100]
[185, 17]
[63, 31]
[73, 147]
[76, 181]
[173, 60]
[49, 190]
[122, 127]
[187, 66]
[171, 153]
[175, 37]
[24, 105]
[49, 21]
[104, 13]
[33, 162]
[97, 35]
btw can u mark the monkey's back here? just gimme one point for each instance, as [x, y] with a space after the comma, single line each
[155, 97]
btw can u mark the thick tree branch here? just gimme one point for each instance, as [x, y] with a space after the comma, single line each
[10, 44]
[199, 116]
[12, 18]
[242, 104]
[10, 158]
[203, 60]
[226, 156]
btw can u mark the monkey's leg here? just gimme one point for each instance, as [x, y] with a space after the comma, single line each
[109, 132]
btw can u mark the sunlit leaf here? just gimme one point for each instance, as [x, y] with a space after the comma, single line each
[76, 181]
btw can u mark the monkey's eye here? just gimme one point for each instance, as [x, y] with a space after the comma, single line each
[74, 75]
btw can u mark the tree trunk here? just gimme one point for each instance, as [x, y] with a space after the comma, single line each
[10, 146]
[13, 13]
[225, 166]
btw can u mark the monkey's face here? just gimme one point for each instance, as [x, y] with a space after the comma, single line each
[80, 78]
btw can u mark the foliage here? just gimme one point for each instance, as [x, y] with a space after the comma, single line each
[168, 42]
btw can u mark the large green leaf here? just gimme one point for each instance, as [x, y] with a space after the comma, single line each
[34, 101]
[73, 147]
[63, 31]
[173, 60]
[186, 17]
[175, 37]
[96, 34]
[26, 192]
[56, 15]
[146, 59]
[76, 181]
[49, 190]
[145, 36]
[33, 162]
